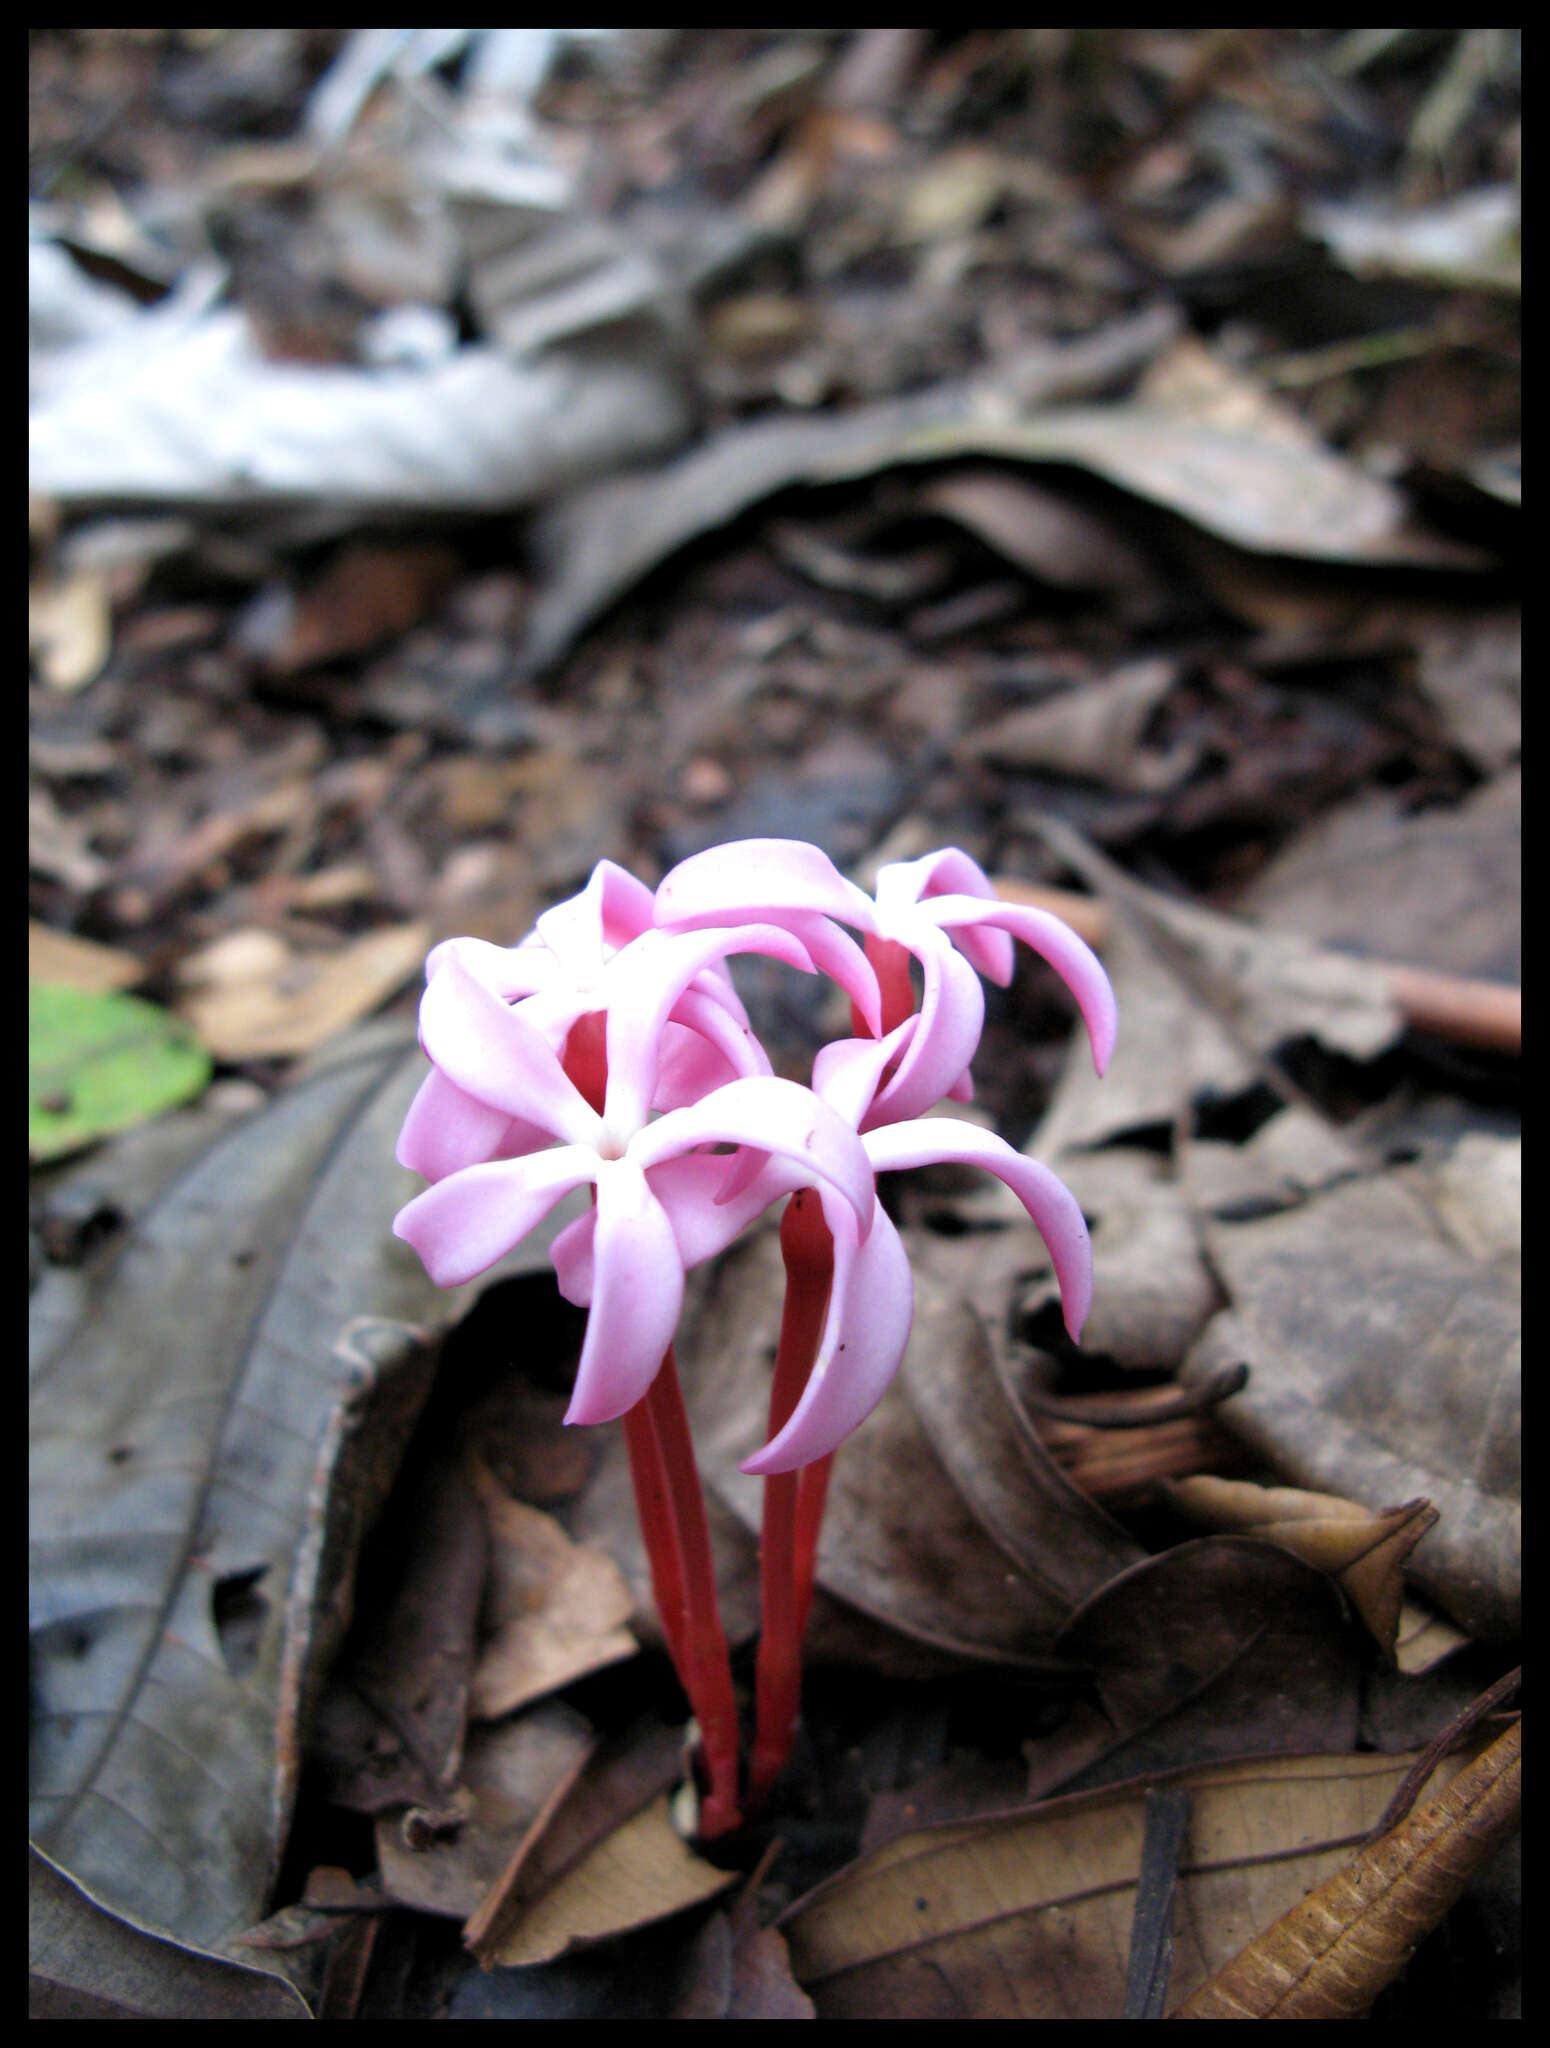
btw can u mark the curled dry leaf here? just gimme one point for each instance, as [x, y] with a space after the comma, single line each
[1027, 1915]
[1362, 1551]
[554, 1610]
[1331, 1954]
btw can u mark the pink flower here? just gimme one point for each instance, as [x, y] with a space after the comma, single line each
[871, 1301]
[496, 1058]
[927, 909]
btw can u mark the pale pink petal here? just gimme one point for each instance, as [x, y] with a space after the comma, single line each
[646, 980]
[611, 910]
[690, 1190]
[947, 1032]
[571, 1253]
[848, 1072]
[1053, 939]
[901, 884]
[836, 954]
[507, 971]
[637, 1292]
[758, 878]
[870, 1309]
[1054, 1209]
[732, 1037]
[490, 1052]
[468, 1221]
[444, 1130]
[780, 1117]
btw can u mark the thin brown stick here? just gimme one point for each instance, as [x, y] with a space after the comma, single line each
[1484, 1014]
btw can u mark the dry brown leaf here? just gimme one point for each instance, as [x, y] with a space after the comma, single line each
[250, 997]
[511, 1776]
[554, 1610]
[1093, 732]
[70, 629]
[1333, 1952]
[1438, 888]
[1028, 1916]
[366, 595]
[78, 963]
[1363, 1551]
[639, 1874]
[1386, 1365]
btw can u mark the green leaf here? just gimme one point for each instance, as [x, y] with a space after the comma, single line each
[100, 1062]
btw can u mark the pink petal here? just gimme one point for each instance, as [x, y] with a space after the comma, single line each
[758, 879]
[733, 1038]
[507, 971]
[445, 1130]
[836, 954]
[780, 1117]
[646, 980]
[1051, 937]
[493, 1054]
[950, 871]
[611, 910]
[706, 1220]
[571, 1254]
[1051, 1204]
[947, 1032]
[637, 1292]
[870, 1308]
[468, 1221]
[848, 1072]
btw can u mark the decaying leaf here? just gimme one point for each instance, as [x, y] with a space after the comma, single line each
[642, 1872]
[1386, 1367]
[1364, 1552]
[70, 629]
[391, 1724]
[100, 1061]
[1222, 1647]
[251, 997]
[1333, 1952]
[1093, 732]
[1261, 483]
[1443, 887]
[1027, 1916]
[210, 1439]
[511, 1775]
[618, 1781]
[85, 1963]
[554, 1610]
[62, 958]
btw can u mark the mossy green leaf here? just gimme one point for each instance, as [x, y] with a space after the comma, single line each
[100, 1062]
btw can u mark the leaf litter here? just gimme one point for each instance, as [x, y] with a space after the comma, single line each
[982, 528]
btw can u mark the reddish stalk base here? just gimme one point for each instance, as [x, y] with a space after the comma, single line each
[671, 1507]
[793, 1501]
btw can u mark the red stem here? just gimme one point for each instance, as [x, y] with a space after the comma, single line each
[790, 1535]
[658, 1527]
[704, 1664]
[671, 1507]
